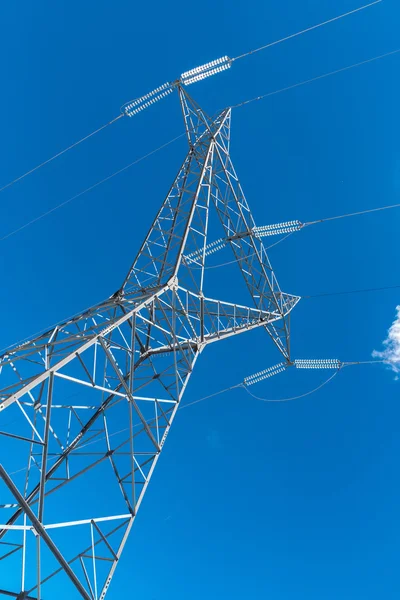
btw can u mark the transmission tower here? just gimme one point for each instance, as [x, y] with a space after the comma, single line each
[88, 404]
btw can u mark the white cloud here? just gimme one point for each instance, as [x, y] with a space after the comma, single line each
[391, 352]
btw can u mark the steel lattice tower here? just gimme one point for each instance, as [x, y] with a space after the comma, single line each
[124, 364]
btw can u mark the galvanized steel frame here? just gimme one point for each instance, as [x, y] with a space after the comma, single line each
[135, 353]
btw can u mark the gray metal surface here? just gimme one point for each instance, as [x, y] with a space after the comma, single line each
[92, 400]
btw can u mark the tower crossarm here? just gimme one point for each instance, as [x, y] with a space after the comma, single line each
[206, 320]
[89, 403]
[238, 223]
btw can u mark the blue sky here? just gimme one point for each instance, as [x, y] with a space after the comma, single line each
[296, 500]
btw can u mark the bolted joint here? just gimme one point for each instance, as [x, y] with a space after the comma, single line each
[116, 295]
[239, 236]
[173, 283]
[200, 347]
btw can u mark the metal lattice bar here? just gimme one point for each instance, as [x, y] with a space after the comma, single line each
[126, 362]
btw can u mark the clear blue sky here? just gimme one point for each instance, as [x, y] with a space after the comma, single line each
[249, 500]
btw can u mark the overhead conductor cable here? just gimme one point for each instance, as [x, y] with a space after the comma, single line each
[187, 78]
[293, 35]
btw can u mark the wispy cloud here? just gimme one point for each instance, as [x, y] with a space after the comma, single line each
[391, 351]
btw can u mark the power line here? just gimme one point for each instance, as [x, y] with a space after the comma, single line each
[92, 187]
[289, 399]
[230, 262]
[301, 83]
[49, 160]
[171, 141]
[322, 295]
[365, 362]
[353, 214]
[150, 422]
[211, 396]
[95, 337]
[313, 391]
[346, 292]
[223, 391]
[293, 35]
[288, 228]
[214, 67]
[189, 77]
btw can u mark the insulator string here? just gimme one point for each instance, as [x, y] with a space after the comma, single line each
[313, 391]
[301, 226]
[156, 150]
[192, 76]
[231, 262]
[220, 392]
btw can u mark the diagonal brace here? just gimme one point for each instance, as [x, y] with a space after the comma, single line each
[40, 530]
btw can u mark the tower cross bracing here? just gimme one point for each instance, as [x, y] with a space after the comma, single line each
[89, 403]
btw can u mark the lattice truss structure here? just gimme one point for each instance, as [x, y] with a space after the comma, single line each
[89, 404]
